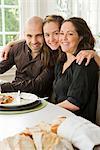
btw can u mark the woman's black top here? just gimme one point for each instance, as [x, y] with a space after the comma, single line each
[78, 84]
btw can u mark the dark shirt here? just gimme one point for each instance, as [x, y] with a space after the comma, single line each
[31, 74]
[78, 84]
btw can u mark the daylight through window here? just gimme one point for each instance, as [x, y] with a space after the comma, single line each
[9, 21]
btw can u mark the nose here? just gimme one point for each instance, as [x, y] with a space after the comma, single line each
[65, 36]
[51, 38]
[34, 39]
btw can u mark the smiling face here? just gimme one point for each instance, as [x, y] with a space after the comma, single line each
[33, 35]
[69, 38]
[51, 34]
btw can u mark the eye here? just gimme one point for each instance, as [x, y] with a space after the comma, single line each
[56, 33]
[70, 33]
[61, 33]
[29, 35]
[39, 35]
[46, 35]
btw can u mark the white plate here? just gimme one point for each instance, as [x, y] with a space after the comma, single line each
[25, 98]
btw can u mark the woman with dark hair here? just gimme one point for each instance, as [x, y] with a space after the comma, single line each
[88, 54]
[75, 86]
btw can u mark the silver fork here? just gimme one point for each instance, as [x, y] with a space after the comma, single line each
[18, 97]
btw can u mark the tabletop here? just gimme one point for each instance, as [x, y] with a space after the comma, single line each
[12, 124]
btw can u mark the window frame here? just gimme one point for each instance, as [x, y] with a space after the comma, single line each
[3, 33]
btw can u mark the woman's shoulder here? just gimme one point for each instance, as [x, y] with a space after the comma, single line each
[91, 66]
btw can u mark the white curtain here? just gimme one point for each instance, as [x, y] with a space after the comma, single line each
[88, 9]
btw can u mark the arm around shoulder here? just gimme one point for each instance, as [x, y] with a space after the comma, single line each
[97, 59]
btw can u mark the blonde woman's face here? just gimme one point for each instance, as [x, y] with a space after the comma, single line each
[69, 38]
[51, 34]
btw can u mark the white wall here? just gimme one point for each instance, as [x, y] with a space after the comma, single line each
[9, 75]
[47, 7]
[28, 8]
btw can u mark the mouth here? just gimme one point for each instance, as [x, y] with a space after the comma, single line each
[54, 44]
[34, 45]
[65, 43]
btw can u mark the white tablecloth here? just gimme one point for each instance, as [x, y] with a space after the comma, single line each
[12, 124]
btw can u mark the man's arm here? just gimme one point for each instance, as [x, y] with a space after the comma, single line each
[97, 59]
[5, 65]
[40, 86]
[6, 49]
[88, 54]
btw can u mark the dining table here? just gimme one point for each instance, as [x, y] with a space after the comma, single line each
[13, 123]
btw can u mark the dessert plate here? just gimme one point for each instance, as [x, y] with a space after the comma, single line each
[27, 101]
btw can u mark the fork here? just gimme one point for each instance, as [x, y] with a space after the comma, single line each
[18, 97]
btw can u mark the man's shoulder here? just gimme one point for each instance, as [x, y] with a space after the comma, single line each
[19, 44]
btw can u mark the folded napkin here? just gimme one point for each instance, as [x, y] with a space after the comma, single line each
[82, 133]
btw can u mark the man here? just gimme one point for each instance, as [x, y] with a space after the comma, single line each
[32, 74]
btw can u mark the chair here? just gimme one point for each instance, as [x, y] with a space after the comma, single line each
[98, 104]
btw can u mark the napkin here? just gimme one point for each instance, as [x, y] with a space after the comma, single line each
[82, 133]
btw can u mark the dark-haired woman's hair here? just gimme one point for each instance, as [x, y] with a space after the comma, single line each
[81, 27]
[83, 30]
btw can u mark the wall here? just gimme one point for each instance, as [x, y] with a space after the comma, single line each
[28, 8]
[9, 75]
[47, 7]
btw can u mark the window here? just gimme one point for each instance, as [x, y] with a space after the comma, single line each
[9, 21]
[88, 10]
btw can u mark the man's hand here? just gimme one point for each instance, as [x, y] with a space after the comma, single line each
[4, 54]
[88, 54]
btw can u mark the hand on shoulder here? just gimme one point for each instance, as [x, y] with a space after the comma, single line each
[88, 54]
